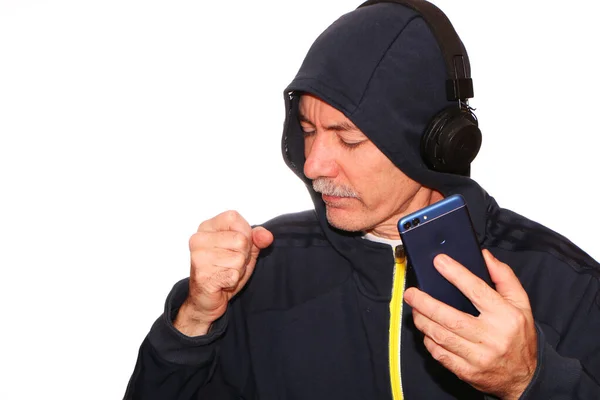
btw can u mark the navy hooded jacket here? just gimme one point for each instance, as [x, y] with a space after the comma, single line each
[312, 322]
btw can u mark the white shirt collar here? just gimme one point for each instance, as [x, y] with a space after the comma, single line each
[373, 238]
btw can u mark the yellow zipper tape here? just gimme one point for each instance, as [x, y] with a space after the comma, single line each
[396, 322]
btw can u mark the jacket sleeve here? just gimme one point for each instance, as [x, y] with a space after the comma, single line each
[173, 366]
[572, 369]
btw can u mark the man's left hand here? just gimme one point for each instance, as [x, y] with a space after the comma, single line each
[495, 352]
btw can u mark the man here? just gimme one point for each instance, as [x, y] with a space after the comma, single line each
[299, 307]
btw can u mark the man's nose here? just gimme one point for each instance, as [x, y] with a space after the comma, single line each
[320, 156]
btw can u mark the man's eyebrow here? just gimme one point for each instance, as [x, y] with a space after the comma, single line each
[343, 126]
[302, 118]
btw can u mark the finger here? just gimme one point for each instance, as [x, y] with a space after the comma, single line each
[443, 337]
[462, 324]
[506, 282]
[261, 237]
[455, 364]
[221, 279]
[220, 258]
[230, 240]
[227, 221]
[483, 297]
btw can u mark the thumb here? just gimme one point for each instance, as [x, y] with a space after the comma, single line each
[261, 238]
[506, 282]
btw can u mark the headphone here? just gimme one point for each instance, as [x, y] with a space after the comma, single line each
[452, 138]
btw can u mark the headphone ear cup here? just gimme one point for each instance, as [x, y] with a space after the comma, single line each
[451, 141]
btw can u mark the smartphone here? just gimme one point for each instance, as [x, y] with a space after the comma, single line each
[443, 227]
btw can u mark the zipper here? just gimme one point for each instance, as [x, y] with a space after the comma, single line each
[395, 336]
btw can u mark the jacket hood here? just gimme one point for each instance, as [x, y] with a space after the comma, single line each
[381, 66]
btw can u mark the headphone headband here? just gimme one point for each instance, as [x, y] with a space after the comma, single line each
[459, 85]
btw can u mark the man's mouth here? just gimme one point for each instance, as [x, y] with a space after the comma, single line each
[334, 200]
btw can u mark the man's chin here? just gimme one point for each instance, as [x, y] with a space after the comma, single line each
[344, 220]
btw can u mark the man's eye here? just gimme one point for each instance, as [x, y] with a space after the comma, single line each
[351, 145]
[308, 133]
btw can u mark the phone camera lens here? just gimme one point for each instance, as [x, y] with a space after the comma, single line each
[416, 221]
[406, 225]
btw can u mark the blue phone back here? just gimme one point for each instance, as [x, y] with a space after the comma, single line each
[443, 227]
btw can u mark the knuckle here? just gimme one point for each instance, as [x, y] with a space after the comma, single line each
[466, 352]
[207, 224]
[234, 276]
[457, 324]
[239, 240]
[450, 341]
[203, 225]
[515, 322]
[500, 349]
[227, 278]
[231, 215]
[505, 347]
[479, 292]
[195, 241]
[438, 354]
[486, 359]
[440, 338]
[238, 260]
[466, 374]
[520, 320]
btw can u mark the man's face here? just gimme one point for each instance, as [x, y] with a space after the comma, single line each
[362, 189]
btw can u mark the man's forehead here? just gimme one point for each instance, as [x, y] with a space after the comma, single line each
[309, 100]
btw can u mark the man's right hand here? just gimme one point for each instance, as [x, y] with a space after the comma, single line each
[223, 256]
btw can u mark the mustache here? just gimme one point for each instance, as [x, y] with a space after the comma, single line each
[328, 188]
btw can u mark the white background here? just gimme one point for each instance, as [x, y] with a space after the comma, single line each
[124, 124]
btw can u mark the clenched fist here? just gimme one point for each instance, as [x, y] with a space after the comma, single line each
[223, 256]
